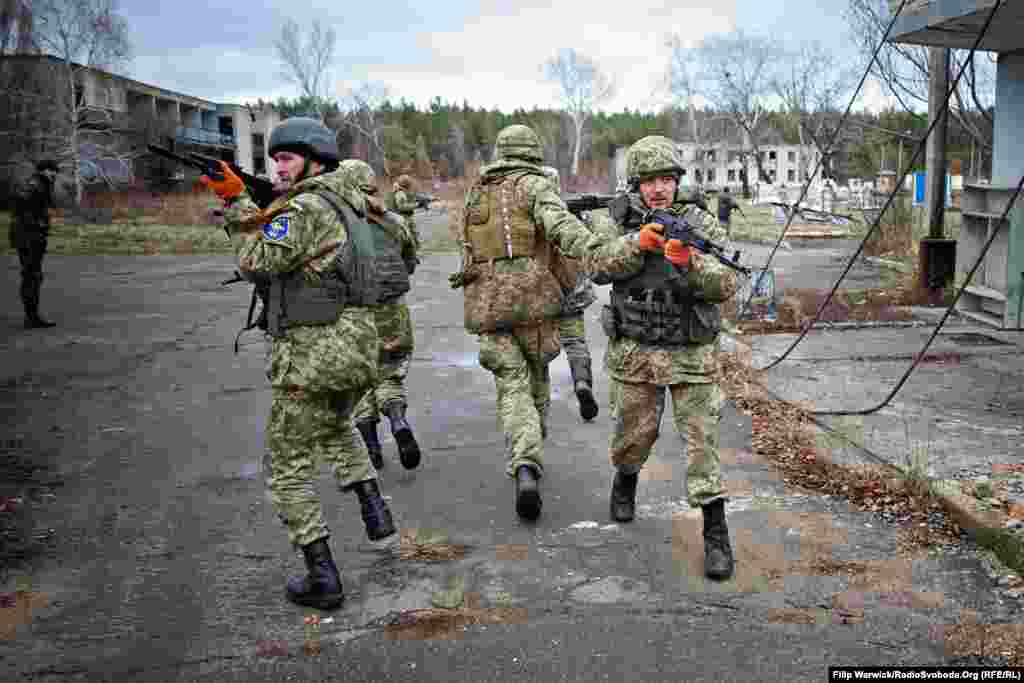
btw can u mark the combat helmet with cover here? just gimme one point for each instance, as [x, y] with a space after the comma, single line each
[306, 137]
[519, 142]
[360, 174]
[650, 157]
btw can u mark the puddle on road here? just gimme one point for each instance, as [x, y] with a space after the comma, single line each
[249, 470]
[448, 360]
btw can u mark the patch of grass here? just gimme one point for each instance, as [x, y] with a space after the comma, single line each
[134, 239]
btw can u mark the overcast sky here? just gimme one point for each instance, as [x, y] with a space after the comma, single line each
[489, 53]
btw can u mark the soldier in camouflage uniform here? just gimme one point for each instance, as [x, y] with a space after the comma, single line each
[572, 329]
[29, 234]
[663, 325]
[514, 217]
[312, 252]
[403, 202]
[396, 261]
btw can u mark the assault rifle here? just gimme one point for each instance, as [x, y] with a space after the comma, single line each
[677, 228]
[588, 202]
[260, 189]
[262, 192]
[423, 201]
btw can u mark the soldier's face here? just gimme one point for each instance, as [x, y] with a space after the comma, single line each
[289, 167]
[659, 192]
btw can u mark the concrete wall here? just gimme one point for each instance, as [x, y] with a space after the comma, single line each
[1008, 147]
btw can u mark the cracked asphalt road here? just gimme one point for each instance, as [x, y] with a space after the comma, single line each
[138, 434]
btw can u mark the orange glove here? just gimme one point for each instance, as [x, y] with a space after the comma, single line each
[226, 189]
[650, 237]
[678, 253]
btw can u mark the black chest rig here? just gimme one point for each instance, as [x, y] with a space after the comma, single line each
[656, 306]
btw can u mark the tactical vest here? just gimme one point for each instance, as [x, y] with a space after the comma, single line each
[655, 306]
[499, 227]
[392, 271]
[291, 301]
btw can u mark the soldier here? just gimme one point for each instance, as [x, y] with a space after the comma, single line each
[663, 325]
[29, 234]
[513, 217]
[403, 202]
[396, 261]
[726, 205]
[312, 251]
[572, 330]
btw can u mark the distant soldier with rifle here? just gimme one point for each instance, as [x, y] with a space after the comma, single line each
[313, 250]
[396, 261]
[572, 329]
[403, 201]
[726, 205]
[29, 234]
[663, 325]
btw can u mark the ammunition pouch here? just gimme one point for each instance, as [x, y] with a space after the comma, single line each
[662, 317]
[292, 302]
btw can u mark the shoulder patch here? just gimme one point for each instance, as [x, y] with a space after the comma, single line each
[276, 229]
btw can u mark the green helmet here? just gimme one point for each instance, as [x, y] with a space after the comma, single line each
[304, 136]
[650, 157]
[519, 142]
[360, 174]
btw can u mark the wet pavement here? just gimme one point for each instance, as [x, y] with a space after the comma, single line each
[144, 548]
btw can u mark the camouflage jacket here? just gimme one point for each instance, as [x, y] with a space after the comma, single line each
[402, 202]
[548, 212]
[32, 205]
[300, 231]
[629, 360]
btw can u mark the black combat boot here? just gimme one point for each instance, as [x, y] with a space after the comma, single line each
[718, 560]
[368, 428]
[528, 502]
[321, 588]
[623, 503]
[408, 449]
[583, 383]
[376, 514]
[32, 319]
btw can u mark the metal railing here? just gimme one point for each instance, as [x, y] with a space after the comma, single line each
[203, 136]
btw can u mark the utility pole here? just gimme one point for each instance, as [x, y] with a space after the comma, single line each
[935, 156]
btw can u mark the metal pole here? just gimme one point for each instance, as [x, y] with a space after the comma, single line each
[935, 156]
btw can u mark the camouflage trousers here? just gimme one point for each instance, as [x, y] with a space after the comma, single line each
[636, 411]
[395, 340]
[303, 431]
[573, 335]
[519, 362]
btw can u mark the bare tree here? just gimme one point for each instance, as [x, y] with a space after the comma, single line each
[732, 72]
[583, 86]
[902, 71]
[306, 62]
[81, 35]
[814, 85]
[15, 27]
[683, 80]
[360, 112]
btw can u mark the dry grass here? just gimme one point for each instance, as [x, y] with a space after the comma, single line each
[784, 433]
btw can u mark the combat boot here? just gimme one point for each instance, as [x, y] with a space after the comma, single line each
[321, 587]
[718, 560]
[528, 502]
[408, 449]
[35, 322]
[368, 428]
[623, 503]
[583, 383]
[376, 514]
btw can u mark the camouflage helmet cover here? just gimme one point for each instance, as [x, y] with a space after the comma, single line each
[360, 174]
[652, 156]
[519, 141]
[304, 136]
